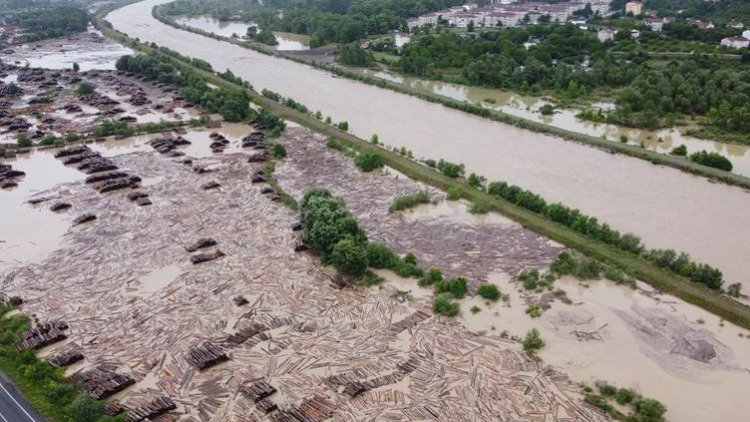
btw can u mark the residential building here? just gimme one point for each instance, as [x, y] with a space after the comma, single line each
[606, 34]
[735, 42]
[656, 24]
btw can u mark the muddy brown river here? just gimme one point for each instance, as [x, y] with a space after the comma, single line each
[666, 207]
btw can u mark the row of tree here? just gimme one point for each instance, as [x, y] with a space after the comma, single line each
[40, 23]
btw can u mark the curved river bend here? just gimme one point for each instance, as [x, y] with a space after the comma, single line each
[666, 207]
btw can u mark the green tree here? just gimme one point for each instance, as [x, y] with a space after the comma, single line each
[533, 342]
[489, 291]
[349, 257]
[443, 304]
[76, 67]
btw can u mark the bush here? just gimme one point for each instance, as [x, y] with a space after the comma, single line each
[479, 206]
[443, 304]
[450, 169]
[530, 279]
[326, 221]
[23, 140]
[533, 342]
[371, 279]
[343, 126]
[650, 409]
[476, 181]
[454, 194]
[432, 276]
[85, 88]
[349, 257]
[278, 151]
[380, 255]
[734, 290]
[475, 309]
[533, 310]
[85, 409]
[680, 150]
[409, 201]
[547, 110]
[711, 159]
[624, 396]
[457, 287]
[489, 292]
[368, 162]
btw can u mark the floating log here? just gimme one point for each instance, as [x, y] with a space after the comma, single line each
[72, 150]
[240, 300]
[102, 177]
[205, 355]
[134, 196]
[204, 257]
[205, 242]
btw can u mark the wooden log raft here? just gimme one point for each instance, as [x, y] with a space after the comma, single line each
[152, 409]
[206, 355]
[42, 335]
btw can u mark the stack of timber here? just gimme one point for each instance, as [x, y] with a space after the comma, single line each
[101, 382]
[206, 355]
[315, 409]
[152, 409]
[258, 390]
[42, 335]
[66, 356]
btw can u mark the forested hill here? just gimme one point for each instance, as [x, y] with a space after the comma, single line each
[720, 12]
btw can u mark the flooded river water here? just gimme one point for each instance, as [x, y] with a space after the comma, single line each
[666, 207]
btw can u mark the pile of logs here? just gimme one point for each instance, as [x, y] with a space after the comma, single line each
[85, 218]
[255, 140]
[59, 206]
[210, 185]
[219, 143]
[11, 301]
[255, 328]
[150, 410]
[258, 390]
[103, 173]
[167, 145]
[70, 354]
[42, 335]
[139, 198]
[205, 257]
[99, 382]
[315, 409]
[206, 355]
[408, 322]
[205, 242]
[258, 177]
[8, 176]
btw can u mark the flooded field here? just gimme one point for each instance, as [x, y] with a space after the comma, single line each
[644, 340]
[91, 50]
[138, 307]
[233, 29]
[662, 141]
[666, 207]
[48, 102]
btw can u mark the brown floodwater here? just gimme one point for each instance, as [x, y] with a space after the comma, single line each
[666, 207]
[234, 29]
[662, 141]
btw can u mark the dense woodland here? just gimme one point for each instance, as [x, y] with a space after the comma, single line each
[40, 23]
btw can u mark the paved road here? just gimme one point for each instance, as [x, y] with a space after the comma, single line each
[13, 406]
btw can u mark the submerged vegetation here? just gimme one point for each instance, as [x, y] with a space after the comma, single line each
[613, 400]
[409, 201]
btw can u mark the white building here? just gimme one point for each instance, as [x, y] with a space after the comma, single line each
[655, 24]
[746, 34]
[606, 34]
[735, 42]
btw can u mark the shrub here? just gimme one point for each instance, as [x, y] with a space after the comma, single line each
[368, 162]
[443, 304]
[530, 279]
[349, 257]
[278, 151]
[624, 396]
[533, 342]
[489, 292]
[454, 194]
[547, 110]
[380, 255]
[371, 279]
[475, 309]
[711, 159]
[450, 169]
[23, 140]
[680, 150]
[432, 276]
[409, 201]
[650, 409]
[343, 126]
[734, 290]
[476, 181]
[457, 287]
[533, 310]
[374, 139]
[85, 88]
[479, 206]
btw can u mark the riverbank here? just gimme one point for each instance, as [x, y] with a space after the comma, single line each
[680, 163]
[712, 301]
